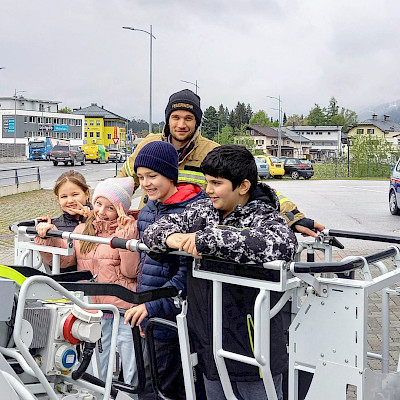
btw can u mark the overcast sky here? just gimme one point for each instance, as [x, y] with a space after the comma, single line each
[76, 52]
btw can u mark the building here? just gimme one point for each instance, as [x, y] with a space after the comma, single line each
[104, 127]
[325, 141]
[23, 118]
[385, 129]
[266, 139]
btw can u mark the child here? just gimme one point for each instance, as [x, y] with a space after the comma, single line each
[156, 166]
[239, 222]
[111, 202]
[72, 194]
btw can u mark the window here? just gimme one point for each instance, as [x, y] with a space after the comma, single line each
[78, 122]
[360, 131]
[91, 134]
[97, 123]
[41, 107]
[32, 119]
[85, 135]
[26, 119]
[77, 135]
[260, 141]
[109, 136]
[329, 133]
[287, 141]
[98, 134]
[91, 123]
[85, 123]
[370, 131]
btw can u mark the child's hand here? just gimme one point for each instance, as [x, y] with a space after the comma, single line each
[81, 210]
[43, 227]
[136, 315]
[185, 242]
[123, 221]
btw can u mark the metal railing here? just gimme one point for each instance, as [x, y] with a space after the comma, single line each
[15, 176]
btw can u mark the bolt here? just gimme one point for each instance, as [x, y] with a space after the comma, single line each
[346, 307]
[346, 361]
[322, 303]
[324, 291]
[324, 363]
[334, 350]
[360, 372]
[322, 355]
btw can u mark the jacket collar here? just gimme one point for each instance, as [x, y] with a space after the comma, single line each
[184, 151]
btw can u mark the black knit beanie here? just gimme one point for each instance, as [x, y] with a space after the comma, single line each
[161, 157]
[183, 100]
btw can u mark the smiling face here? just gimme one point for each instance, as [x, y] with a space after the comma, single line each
[68, 195]
[157, 186]
[104, 210]
[182, 125]
[222, 195]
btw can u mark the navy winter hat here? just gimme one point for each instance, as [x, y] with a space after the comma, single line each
[161, 157]
[184, 100]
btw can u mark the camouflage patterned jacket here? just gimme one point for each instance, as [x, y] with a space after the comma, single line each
[253, 232]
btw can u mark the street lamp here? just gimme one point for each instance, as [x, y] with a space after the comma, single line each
[15, 117]
[151, 65]
[279, 128]
[195, 84]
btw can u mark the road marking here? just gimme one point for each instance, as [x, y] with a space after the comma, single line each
[360, 188]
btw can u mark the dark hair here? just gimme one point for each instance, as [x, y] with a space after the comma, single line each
[74, 177]
[232, 162]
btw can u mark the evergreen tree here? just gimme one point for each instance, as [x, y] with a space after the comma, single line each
[317, 116]
[225, 136]
[332, 111]
[284, 119]
[260, 117]
[210, 123]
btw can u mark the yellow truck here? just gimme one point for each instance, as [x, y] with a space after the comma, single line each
[95, 153]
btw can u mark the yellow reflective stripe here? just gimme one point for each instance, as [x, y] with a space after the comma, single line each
[282, 198]
[128, 168]
[191, 176]
[10, 273]
[250, 326]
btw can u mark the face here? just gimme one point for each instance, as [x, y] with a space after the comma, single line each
[68, 195]
[157, 186]
[222, 195]
[182, 125]
[104, 210]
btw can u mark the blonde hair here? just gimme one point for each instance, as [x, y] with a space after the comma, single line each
[87, 247]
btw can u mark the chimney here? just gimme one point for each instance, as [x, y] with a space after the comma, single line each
[374, 117]
[386, 117]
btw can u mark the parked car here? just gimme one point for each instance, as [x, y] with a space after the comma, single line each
[275, 165]
[296, 168]
[394, 190]
[96, 152]
[262, 168]
[116, 155]
[67, 154]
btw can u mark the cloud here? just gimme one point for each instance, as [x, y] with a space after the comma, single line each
[304, 51]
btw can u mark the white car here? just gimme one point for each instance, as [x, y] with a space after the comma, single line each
[394, 190]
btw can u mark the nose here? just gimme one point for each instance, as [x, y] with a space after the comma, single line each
[181, 123]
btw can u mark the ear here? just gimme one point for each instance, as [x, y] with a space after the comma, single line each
[244, 187]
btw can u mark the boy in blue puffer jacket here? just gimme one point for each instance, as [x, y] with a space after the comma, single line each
[156, 166]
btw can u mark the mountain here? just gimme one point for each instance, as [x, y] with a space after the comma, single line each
[392, 109]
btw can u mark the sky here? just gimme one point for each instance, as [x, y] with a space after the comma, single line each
[305, 52]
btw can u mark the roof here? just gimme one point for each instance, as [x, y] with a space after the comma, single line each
[295, 137]
[95, 111]
[273, 132]
[314, 128]
[263, 130]
[23, 98]
[383, 125]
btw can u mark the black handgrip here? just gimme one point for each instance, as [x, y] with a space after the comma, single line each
[335, 243]
[365, 236]
[118, 243]
[62, 277]
[314, 267]
[49, 233]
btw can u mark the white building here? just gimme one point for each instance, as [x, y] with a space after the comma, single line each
[22, 118]
[325, 140]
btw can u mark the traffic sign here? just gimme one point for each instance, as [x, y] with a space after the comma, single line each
[115, 138]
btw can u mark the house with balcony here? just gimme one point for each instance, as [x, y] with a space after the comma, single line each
[104, 127]
[266, 139]
[379, 128]
[325, 141]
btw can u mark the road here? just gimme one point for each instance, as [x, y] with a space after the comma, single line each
[357, 205]
[49, 173]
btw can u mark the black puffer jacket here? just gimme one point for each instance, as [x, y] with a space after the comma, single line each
[253, 232]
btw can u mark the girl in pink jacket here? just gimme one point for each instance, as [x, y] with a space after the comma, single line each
[110, 217]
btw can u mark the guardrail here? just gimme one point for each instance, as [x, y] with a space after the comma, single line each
[17, 180]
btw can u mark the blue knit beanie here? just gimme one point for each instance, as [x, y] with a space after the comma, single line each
[161, 157]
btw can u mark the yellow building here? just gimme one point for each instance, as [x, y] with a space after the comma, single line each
[386, 129]
[103, 127]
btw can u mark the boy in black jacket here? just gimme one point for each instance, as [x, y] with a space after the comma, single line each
[239, 222]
